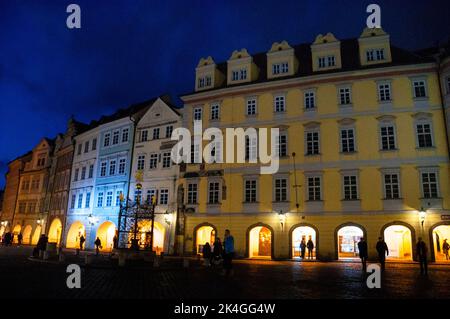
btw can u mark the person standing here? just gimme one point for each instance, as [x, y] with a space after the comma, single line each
[206, 251]
[310, 246]
[303, 248]
[98, 245]
[422, 251]
[363, 253]
[445, 248]
[19, 239]
[383, 251]
[82, 240]
[228, 245]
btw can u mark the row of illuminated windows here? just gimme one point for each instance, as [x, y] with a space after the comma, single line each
[58, 202]
[116, 137]
[112, 167]
[92, 145]
[153, 161]
[155, 133]
[162, 196]
[61, 180]
[31, 184]
[310, 99]
[27, 207]
[89, 171]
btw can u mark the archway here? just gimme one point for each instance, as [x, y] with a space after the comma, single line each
[16, 231]
[347, 239]
[203, 235]
[306, 233]
[106, 233]
[2, 231]
[399, 241]
[73, 235]
[54, 232]
[144, 228]
[36, 235]
[441, 234]
[26, 235]
[260, 242]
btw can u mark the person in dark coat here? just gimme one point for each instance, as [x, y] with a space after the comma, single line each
[310, 246]
[82, 240]
[445, 248]
[206, 251]
[383, 251]
[217, 251]
[363, 253]
[303, 248]
[19, 239]
[228, 252]
[422, 251]
[98, 245]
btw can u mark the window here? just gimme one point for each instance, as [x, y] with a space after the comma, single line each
[112, 167]
[197, 114]
[166, 160]
[331, 60]
[23, 207]
[208, 80]
[281, 145]
[156, 133]
[169, 130]
[72, 202]
[75, 177]
[280, 189]
[250, 191]
[91, 171]
[137, 195]
[344, 96]
[279, 103]
[347, 140]
[251, 148]
[350, 187]
[118, 198]
[88, 200]
[204, 81]
[141, 162]
[327, 61]
[195, 153]
[280, 68]
[125, 135]
[163, 196]
[375, 55]
[86, 146]
[100, 199]
[192, 193]
[251, 106]
[214, 111]
[144, 136]
[384, 92]
[115, 140]
[201, 82]
[153, 161]
[150, 194]
[387, 133]
[310, 102]
[429, 185]
[83, 173]
[213, 192]
[312, 143]
[109, 196]
[314, 188]
[419, 88]
[240, 74]
[103, 169]
[94, 144]
[122, 163]
[107, 139]
[78, 150]
[424, 135]
[80, 200]
[391, 186]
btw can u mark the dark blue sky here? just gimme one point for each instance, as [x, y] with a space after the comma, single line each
[129, 51]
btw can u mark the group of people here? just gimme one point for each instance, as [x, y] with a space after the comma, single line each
[220, 252]
[306, 245]
[383, 251]
[8, 238]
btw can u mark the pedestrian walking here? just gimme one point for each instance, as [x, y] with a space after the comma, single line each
[98, 245]
[216, 252]
[206, 251]
[19, 239]
[228, 252]
[422, 251]
[303, 248]
[445, 248]
[310, 246]
[383, 251]
[363, 253]
[82, 240]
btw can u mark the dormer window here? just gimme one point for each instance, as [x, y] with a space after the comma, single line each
[326, 62]
[239, 74]
[204, 81]
[280, 68]
[375, 55]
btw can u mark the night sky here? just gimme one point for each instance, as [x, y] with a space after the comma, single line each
[129, 51]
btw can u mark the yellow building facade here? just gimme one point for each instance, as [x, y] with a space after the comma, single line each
[366, 124]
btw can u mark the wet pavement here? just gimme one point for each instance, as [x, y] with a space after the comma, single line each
[260, 279]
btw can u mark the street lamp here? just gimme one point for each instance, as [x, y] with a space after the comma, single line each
[4, 223]
[92, 220]
[40, 221]
[282, 218]
[422, 216]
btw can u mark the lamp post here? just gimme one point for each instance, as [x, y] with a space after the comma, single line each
[422, 217]
[282, 218]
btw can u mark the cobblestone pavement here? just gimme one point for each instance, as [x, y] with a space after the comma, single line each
[21, 277]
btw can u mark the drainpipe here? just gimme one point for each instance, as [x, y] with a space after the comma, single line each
[131, 158]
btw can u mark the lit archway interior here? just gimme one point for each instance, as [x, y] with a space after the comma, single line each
[106, 233]
[399, 242]
[16, 232]
[299, 233]
[348, 238]
[260, 242]
[205, 234]
[144, 228]
[26, 235]
[36, 235]
[440, 234]
[2, 230]
[73, 235]
[54, 232]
